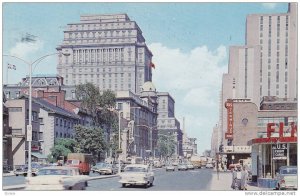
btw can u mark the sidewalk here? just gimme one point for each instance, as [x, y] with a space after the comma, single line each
[11, 173]
[222, 182]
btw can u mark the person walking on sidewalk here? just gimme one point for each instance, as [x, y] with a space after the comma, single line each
[236, 178]
[244, 179]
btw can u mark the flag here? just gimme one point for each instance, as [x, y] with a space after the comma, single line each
[11, 66]
[152, 65]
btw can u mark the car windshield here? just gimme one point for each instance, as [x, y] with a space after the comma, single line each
[289, 171]
[100, 165]
[64, 172]
[135, 169]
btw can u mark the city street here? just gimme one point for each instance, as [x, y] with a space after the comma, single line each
[191, 180]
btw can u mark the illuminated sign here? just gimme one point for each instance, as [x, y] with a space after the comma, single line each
[229, 107]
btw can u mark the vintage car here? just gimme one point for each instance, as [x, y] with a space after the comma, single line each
[57, 178]
[170, 167]
[182, 166]
[23, 169]
[97, 166]
[209, 165]
[137, 174]
[190, 165]
[286, 178]
[107, 168]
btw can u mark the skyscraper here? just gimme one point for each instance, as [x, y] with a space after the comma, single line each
[276, 34]
[106, 50]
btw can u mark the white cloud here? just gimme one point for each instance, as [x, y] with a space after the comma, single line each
[200, 97]
[194, 80]
[24, 49]
[269, 5]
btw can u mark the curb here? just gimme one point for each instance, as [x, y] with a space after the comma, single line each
[14, 187]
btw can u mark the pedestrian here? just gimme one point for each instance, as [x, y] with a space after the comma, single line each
[244, 179]
[236, 178]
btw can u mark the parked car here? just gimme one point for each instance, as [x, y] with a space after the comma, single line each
[107, 168]
[287, 178]
[137, 174]
[209, 166]
[170, 167]
[182, 166]
[57, 178]
[23, 169]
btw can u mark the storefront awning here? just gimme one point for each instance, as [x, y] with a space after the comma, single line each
[38, 155]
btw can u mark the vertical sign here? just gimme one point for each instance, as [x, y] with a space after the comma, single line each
[229, 107]
[29, 133]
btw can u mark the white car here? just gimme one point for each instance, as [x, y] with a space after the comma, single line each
[170, 167]
[182, 166]
[209, 165]
[190, 166]
[137, 174]
[57, 178]
[287, 178]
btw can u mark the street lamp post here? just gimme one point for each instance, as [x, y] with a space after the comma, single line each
[119, 168]
[29, 126]
[119, 161]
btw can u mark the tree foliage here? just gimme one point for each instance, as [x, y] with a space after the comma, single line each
[61, 147]
[166, 146]
[90, 140]
[98, 104]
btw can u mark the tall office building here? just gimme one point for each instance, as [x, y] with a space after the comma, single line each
[276, 34]
[106, 50]
[266, 65]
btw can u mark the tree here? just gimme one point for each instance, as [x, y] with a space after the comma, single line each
[166, 146]
[97, 104]
[61, 147]
[90, 140]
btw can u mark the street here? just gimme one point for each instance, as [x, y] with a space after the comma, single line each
[191, 180]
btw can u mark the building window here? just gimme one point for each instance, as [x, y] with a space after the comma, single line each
[41, 121]
[34, 116]
[15, 109]
[286, 76]
[61, 122]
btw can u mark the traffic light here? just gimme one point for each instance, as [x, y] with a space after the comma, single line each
[221, 148]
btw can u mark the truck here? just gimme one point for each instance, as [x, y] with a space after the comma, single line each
[81, 160]
[196, 161]
[203, 161]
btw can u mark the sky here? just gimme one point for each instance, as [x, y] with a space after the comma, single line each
[189, 42]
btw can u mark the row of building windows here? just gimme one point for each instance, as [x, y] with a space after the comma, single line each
[98, 34]
[100, 26]
[263, 121]
[64, 123]
[65, 135]
[106, 40]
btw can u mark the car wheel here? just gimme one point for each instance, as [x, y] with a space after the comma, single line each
[70, 188]
[17, 174]
[86, 183]
[146, 185]
[123, 185]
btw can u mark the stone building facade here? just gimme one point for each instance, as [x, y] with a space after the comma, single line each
[106, 50]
